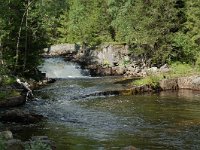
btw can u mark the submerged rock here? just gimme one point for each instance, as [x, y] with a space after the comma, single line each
[20, 116]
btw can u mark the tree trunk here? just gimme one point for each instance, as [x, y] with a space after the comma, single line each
[19, 35]
[26, 40]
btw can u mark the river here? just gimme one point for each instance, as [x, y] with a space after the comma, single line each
[168, 120]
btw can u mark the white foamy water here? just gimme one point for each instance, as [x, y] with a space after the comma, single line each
[58, 68]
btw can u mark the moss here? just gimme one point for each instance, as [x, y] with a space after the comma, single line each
[8, 93]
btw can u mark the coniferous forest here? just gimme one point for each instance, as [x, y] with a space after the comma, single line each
[164, 31]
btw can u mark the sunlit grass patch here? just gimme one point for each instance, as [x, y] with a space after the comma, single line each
[177, 69]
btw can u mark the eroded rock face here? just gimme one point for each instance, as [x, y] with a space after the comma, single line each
[20, 116]
[12, 101]
[192, 82]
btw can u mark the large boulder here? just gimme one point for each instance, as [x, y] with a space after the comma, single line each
[169, 84]
[12, 101]
[192, 82]
[7, 135]
[20, 116]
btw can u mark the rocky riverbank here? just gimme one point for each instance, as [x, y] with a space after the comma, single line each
[104, 60]
[10, 115]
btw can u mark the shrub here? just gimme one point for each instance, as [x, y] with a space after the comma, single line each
[182, 69]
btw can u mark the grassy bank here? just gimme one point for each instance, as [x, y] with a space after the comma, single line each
[176, 70]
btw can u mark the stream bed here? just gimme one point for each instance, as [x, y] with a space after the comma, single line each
[168, 120]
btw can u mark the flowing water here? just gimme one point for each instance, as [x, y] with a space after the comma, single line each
[169, 120]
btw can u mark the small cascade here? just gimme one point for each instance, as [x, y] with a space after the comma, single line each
[59, 68]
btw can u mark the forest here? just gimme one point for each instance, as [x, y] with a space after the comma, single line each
[164, 31]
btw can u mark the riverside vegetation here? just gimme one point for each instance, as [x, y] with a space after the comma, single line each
[177, 69]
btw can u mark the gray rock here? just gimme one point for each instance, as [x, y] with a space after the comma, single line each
[60, 49]
[192, 82]
[118, 70]
[164, 68]
[152, 69]
[7, 135]
[169, 84]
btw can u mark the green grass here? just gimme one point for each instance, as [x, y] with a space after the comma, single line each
[152, 79]
[177, 69]
[182, 69]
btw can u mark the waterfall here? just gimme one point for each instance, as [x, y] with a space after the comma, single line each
[58, 68]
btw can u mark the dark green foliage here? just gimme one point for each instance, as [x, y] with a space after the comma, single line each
[157, 31]
[85, 22]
